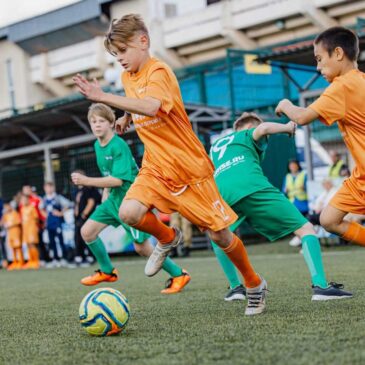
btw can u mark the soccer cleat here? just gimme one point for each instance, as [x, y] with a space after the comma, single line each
[256, 299]
[176, 284]
[159, 254]
[334, 291]
[100, 277]
[237, 293]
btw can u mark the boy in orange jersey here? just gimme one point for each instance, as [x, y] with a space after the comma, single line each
[12, 223]
[336, 51]
[176, 173]
[30, 230]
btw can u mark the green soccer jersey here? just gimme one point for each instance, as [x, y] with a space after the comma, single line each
[115, 159]
[238, 172]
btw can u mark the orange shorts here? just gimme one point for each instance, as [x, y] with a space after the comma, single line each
[349, 199]
[14, 239]
[200, 203]
[30, 236]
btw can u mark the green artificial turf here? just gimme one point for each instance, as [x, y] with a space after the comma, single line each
[39, 315]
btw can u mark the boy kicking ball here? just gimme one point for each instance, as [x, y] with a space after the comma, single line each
[176, 173]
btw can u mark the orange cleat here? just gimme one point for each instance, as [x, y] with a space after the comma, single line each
[30, 265]
[100, 277]
[177, 284]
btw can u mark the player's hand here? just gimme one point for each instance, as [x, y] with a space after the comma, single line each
[291, 128]
[280, 107]
[91, 90]
[78, 179]
[123, 123]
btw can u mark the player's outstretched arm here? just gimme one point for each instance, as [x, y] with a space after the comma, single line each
[268, 128]
[92, 90]
[301, 116]
[97, 182]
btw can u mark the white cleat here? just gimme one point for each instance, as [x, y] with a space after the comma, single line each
[256, 298]
[159, 254]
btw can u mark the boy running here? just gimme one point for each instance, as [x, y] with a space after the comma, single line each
[176, 173]
[336, 51]
[119, 169]
[247, 190]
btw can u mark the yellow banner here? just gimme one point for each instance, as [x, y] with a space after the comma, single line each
[252, 67]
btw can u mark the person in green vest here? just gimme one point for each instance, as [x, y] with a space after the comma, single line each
[295, 188]
[337, 164]
[243, 185]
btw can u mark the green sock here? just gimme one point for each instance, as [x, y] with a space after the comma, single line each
[227, 266]
[313, 258]
[170, 267]
[98, 249]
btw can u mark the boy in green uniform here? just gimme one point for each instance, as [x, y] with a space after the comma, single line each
[253, 198]
[119, 169]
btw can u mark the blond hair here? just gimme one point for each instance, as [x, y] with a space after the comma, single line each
[101, 110]
[123, 30]
[246, 118]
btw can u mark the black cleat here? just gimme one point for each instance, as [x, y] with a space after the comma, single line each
[334, 291]
[237, 293]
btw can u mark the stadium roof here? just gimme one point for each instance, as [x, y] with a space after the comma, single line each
[59, 28]
[301, 52]
[65, 120]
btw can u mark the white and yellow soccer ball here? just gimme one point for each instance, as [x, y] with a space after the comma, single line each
[104, 312]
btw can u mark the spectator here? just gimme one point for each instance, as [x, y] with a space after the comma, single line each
[86, 200]
[35, 200]
[295, 188]
[3, 255]
[179, 221]
[11, 221]
[54, 206]
[30, 231]
[336, 166]
[322, 200]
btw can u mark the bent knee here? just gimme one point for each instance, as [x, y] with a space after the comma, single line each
[87, 234]
[327, 223]
[129, 216]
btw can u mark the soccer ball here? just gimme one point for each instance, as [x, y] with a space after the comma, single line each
[104, 312]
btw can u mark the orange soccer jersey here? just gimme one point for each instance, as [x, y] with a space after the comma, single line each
[12, 222]
[176, 173]
[29, 224]
[343, 102]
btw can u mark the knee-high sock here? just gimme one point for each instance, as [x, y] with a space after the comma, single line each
[34, 254]
[172, 268]
[101, 255]
[227, 266]
[20, 255]
[313, 258]
[237, 253]
[152, 225]
[355, 234]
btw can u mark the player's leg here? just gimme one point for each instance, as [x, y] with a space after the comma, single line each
[179, 277]
[332, 221]
[347, 199]
[135, 214]
[256, 287]
[322, 290]
[237, 291]
[90, 233]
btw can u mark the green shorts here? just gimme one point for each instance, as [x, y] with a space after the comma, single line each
[269, 212]
[107, 213]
